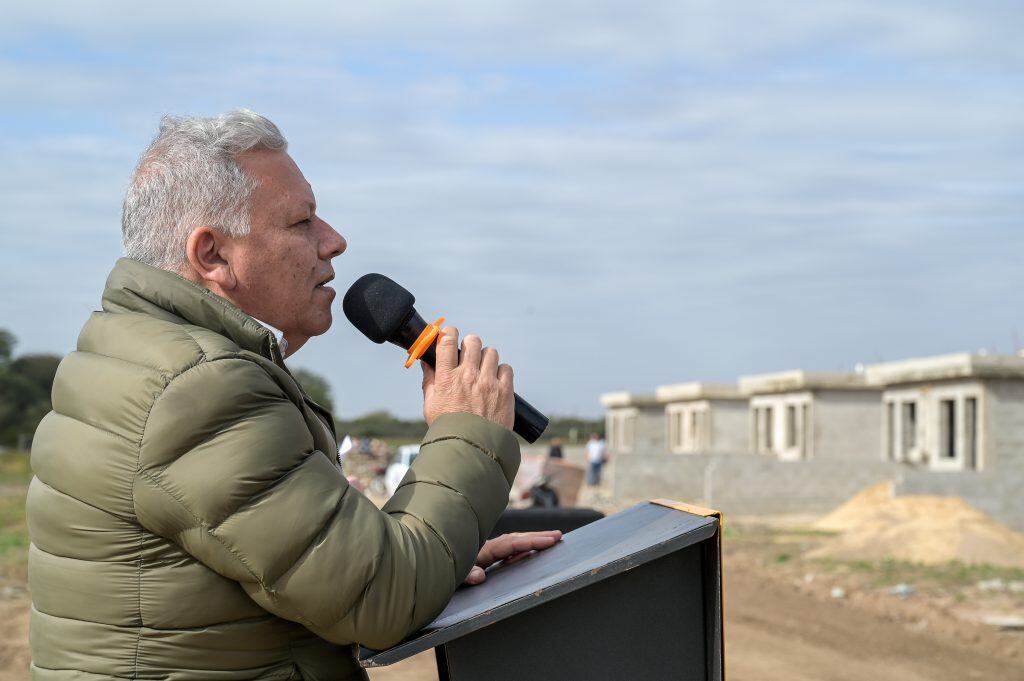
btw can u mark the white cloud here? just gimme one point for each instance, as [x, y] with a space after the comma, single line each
[704, 30]
[618, 198]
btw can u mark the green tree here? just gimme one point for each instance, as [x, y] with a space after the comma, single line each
[25, 385]
[316, 386]
[7, 343]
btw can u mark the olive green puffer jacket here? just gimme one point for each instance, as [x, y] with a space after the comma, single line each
[189, 520]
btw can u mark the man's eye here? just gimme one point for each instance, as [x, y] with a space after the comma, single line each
[303, 223]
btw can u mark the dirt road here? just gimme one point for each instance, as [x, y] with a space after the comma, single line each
[778, 633]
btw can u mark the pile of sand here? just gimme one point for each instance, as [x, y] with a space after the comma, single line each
[875, 525]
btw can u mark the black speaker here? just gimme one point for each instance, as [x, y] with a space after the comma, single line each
[539, 519]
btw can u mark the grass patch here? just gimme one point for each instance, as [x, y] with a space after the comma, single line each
[15, 468]
[13, 536]
[804, 532]
[13, 528]
[730, 531]
[953, 573]
[783, 558]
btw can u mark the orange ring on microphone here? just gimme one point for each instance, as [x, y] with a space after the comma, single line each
[424, 341]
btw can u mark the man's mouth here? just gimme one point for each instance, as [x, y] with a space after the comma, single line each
[325, 282]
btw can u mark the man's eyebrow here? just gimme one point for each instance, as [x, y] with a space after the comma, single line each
[302, 213]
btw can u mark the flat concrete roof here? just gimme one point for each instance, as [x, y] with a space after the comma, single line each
[686, 392]
[794, 381]
[628, 399]
[945, 367]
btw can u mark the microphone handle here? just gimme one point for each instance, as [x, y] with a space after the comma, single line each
[529, 422]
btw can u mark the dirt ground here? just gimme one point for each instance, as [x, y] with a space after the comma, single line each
[787, 618]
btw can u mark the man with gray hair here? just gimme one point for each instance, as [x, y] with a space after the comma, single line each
[188, 517]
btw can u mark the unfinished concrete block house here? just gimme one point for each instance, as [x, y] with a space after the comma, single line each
[798, 415]
[952, 412]
[704, 417]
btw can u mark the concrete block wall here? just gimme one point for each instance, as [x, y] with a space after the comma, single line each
[730, 426]
[999, 494]
[1003, 415]
[847, 425]
[649, 435]
[750, 485]
[745, 484]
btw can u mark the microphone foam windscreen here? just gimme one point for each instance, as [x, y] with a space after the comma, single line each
[377, 306]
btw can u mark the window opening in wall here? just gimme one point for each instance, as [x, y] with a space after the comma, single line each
[693, 431]
[947, 429]
[805, 429]
[909, 429]
[769, 426]
[971, 432]
[791, 426]
[758, 443]
[890, 431]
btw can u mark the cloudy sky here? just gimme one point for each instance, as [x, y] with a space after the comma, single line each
[616, 195]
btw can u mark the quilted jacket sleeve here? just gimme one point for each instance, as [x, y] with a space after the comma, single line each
[228, 471]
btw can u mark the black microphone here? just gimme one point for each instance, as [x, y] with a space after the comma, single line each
[384, 311]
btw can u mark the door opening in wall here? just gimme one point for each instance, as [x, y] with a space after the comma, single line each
[909, 428]
[756, 435]
[791, 426]
[947, 429]
[890, 431]
[805, 431]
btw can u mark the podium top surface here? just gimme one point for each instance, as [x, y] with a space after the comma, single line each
[590, 554]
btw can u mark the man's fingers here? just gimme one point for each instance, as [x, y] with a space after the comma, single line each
[517, 557]
[489, 363]
[476, 576]
[428, 375]
[471, 352]
[447, 351]
[505, 376]
[508, 545]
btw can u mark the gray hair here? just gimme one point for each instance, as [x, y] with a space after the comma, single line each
[189, 177]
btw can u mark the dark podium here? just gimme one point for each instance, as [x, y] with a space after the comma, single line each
[636, 595]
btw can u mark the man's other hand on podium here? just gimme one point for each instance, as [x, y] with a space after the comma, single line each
[510, 548]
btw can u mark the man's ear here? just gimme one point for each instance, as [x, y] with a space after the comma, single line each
[208, 251]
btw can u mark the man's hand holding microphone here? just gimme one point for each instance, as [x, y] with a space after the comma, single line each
[470, 381]
[473, 381]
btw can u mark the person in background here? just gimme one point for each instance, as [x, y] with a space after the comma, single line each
[555, 450]
[597, 456]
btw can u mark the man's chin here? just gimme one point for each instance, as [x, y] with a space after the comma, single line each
[321, 325]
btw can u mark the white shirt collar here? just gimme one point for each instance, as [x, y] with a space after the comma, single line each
[278, 336]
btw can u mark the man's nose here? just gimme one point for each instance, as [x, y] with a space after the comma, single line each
[333, 244]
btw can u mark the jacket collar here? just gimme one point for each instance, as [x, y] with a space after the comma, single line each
[136, 287]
